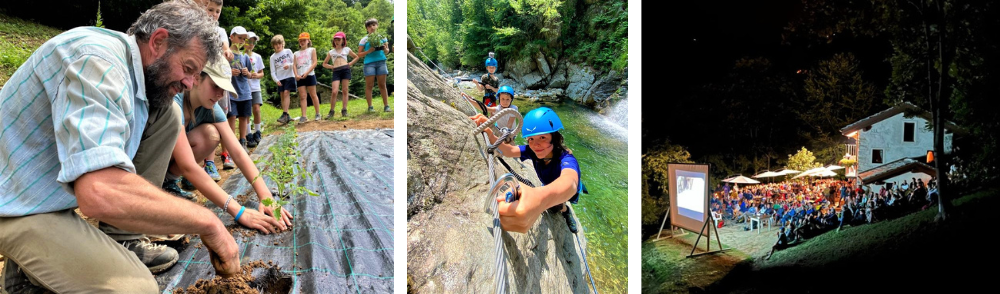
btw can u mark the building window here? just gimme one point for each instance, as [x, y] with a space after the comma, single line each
[876, 155]
[908, 131]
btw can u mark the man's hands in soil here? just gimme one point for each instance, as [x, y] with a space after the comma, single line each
[222, 251]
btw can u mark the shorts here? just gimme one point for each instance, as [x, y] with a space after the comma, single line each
[240, 108]
[376, 68]
[341, 73]
[308, 81]
[287, 85]
[489, 100]
[256, 98]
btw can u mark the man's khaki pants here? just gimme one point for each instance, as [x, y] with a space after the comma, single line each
[63, 253]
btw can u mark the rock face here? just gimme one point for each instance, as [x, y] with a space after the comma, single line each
[581, 79]
[450, 245]
[603, 88]
[558, 80]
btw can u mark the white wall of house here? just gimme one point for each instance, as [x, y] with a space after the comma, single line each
[887, 135]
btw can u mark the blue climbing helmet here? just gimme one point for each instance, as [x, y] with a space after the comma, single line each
[505, 89]
[490, 61]
[540, 121]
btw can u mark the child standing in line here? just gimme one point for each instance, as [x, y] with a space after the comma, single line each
[283, 73]
[375, 67]
[341, 70]
[305, 63]
[256, 73]
[239, 105]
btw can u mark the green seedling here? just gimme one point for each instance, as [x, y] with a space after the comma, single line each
[375, 39]
[282, 168]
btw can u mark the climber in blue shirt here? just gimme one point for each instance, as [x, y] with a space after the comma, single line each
[554, 164]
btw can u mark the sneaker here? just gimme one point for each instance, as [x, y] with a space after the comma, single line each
[252, 141]
[302, 119]
[187, 185]
[343, 112]
[386, 109]
[370, 109]
[329, 115]
[570, 222]
[16, 281]
[317, 117]
[157, 258]
[256, 136]
[172, 188]
[284, 119]
[227, 162]
[243, 142]
[212, 171]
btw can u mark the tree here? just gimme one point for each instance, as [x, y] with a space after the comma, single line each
[836, 95]
[937, 48]
[802, 160]
[655, 177]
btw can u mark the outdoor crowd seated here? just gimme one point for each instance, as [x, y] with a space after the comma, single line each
[804, 210]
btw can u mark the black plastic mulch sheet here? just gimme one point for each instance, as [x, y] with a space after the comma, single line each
[341, 241]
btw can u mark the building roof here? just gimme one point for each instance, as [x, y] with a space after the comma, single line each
[896, 168]
[893, 111]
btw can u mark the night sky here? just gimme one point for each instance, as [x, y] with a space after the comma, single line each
[705, 38]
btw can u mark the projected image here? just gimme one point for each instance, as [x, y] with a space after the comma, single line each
[691, 194]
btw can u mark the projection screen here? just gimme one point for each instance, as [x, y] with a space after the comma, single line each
[688, 195]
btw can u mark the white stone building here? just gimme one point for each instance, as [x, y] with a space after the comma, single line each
[892, 147]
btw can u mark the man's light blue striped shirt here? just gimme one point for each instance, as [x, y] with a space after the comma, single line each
[81, 96]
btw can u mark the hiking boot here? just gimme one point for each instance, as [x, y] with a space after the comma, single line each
[302, 119]
[386, 109]
[284, 119]
[212, 171]
[187, 185]
[329, 115]
[256, 136]
[370, 108]
[227, 162]
[157, 258]
[317, 117]
[343, 112]
[172, 188]
[16, 281]
[570, 222]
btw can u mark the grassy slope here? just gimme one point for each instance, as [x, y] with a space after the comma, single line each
[18, 39]
[927, 255]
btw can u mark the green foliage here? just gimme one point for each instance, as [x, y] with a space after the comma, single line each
[321, 19]
[802, 161]
[283, 168]
[461, 33]
[19, 39]
[99, 22]
[655, 177]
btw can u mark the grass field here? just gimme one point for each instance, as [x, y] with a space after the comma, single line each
[18, 38]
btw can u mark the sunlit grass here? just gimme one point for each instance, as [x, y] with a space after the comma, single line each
[357, 109]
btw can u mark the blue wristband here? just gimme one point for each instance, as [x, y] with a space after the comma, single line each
[240, 213]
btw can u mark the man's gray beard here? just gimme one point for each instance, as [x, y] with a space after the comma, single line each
[157, 94]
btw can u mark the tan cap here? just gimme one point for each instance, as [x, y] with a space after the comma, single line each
[221, 74]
